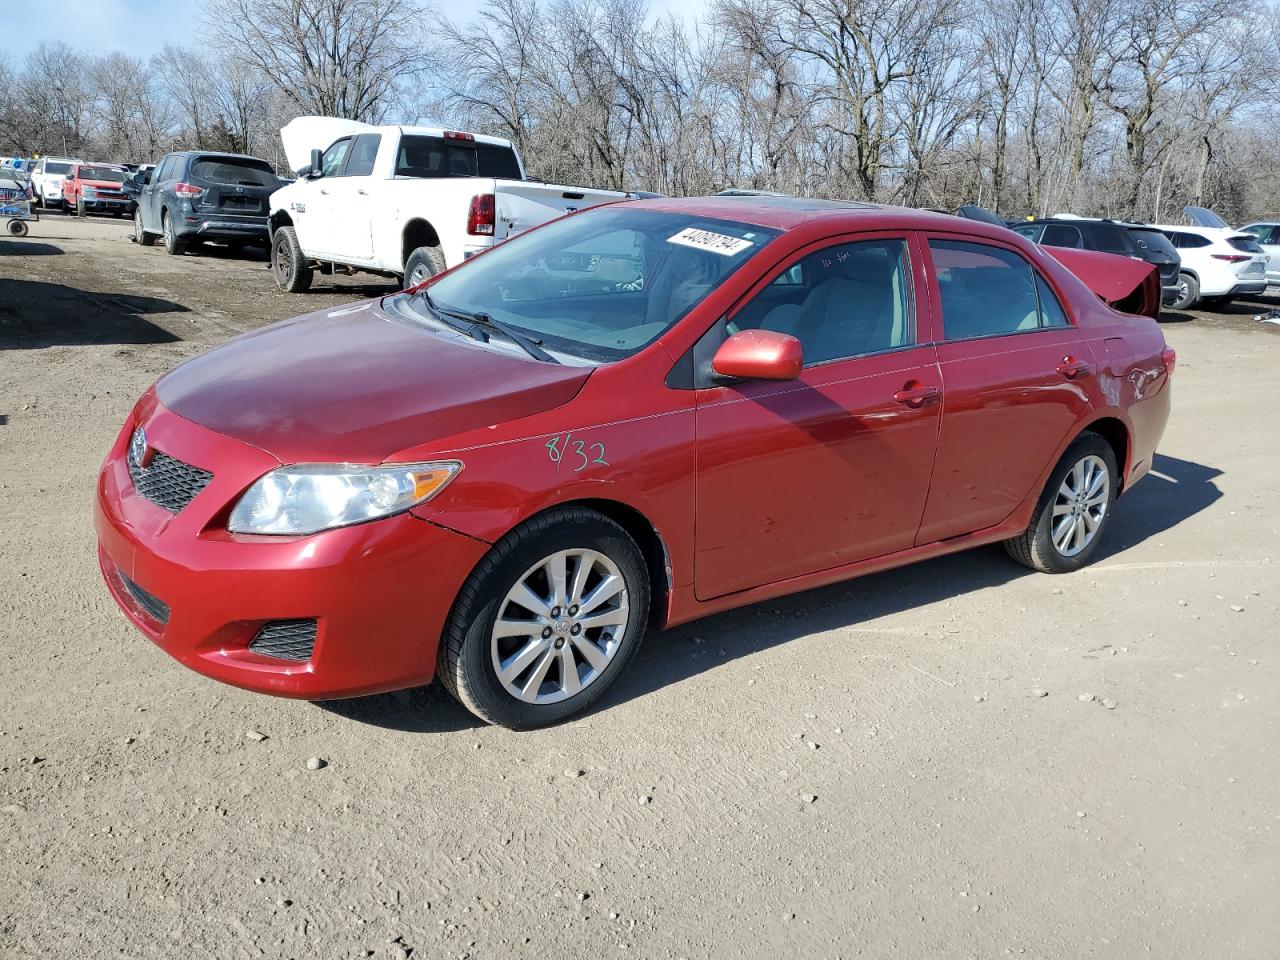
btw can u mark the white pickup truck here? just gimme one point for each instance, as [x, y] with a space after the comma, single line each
[401, 201]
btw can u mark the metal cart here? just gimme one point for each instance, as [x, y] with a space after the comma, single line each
[17, 209]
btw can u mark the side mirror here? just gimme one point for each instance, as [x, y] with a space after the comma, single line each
[146, 176]
[759, 355]
[314, 169]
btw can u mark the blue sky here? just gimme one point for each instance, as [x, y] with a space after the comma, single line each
[143, 27]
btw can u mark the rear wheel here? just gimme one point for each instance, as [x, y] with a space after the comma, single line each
[288, 265]
[1188, 292]
[547, 621]
[1073, 510]
[423, 264]
[172, 245]
[140, 236]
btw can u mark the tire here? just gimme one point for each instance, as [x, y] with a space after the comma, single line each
[16, 228]
[1188, 292]
[172, 245]
[289, 267]
[140, 236]
[423, 264]
[469, 651]
[1036, 547]
[81, 209]
[1214, 303]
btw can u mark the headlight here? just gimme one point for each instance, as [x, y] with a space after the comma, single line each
[307, 499]
[90, 192]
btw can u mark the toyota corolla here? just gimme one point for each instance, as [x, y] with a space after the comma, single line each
[626, 419]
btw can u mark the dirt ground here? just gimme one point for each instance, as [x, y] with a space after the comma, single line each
[1133, 811]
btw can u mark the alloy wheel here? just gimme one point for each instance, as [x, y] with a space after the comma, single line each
[1080, 506]
[560, 626]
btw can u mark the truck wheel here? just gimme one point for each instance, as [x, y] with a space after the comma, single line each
[172, 245]
[81, 210]
[141, 236]
[423, 264]
[289, 267]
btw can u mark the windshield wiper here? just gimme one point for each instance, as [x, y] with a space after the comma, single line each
[481, 319]
[442, 315]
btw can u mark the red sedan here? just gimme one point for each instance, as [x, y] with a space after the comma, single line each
[631, 417]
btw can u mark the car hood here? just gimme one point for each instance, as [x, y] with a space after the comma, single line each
[355, 385]
[301, 135]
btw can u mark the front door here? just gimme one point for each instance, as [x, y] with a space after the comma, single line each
[1016, 375]
[315, 216]
[800, 476]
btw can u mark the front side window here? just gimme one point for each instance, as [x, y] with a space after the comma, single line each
[605, 283]
[332, 160]
[843, 301]
[990, 292]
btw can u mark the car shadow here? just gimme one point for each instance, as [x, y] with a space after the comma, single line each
[35, 314]
[29, 248]
[1174, 490]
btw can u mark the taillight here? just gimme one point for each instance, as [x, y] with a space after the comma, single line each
[1169, 357]
[187, 190]
[1231, 257]
[481, 217]
[455, 135]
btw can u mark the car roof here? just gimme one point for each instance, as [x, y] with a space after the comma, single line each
[1127, 224]
[215, 153]
[785, 213]
[1212, 233]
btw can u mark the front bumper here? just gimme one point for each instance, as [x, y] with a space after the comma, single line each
[380, 592]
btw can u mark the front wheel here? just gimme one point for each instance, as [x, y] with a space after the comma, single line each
[547, 621]
[1188, 292]
[289, 266]
[81, 209]
[1073, 510]
[140, 236]
[172, 245]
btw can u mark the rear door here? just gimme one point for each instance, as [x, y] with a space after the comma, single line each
[801, 476]
[235, 188]
[1015, 376]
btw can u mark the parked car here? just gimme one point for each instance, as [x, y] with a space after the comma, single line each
[95, 187]
[1110, 236]
[195, 195]
[1268, 237]
[639, 414]
[402, 201]
[1218, 265]
[46, 179]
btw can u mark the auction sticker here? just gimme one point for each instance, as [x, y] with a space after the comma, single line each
[711, 242]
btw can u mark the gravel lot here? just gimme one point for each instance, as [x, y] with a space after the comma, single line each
[864, 770]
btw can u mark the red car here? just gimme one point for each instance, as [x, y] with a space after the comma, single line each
[631, 417]
[95, 187]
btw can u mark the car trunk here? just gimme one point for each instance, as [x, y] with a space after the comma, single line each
[233, 186]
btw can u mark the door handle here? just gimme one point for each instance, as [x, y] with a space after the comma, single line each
[1071, 368]
[915, 395]
[362, 191]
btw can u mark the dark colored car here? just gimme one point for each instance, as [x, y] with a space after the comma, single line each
[194, 195]
[1111, 236]
[635, 415]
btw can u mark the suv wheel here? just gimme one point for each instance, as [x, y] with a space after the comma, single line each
[140, 236]
[289, 266]
[172, 245]
[1188, 292]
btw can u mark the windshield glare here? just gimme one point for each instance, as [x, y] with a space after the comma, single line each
[102, 174]
[605, 283]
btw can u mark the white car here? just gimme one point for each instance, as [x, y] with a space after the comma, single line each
[402, 201]
[1218, 265]
[47, 176]
[1268, 237]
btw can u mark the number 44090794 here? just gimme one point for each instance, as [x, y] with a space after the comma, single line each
[580, 453]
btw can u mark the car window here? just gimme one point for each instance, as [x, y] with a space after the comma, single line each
[103, 174]
[1031, 231]
[842, 301]
[166, 169]
[234, 172]
[1192, 240]
[606, 282]
[989, 291]
[1051, 312]
[1150, 240]
[1062, 235]
[1109, 238]
[332, 160]
[497, 161]
[1245, 244]
[54, 167]
[424, 156]
[1275, 236]
[364, 151]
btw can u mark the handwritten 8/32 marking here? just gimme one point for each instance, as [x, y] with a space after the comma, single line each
[582, 453]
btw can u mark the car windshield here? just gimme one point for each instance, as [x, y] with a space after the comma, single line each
[604, 284]
[103, 174]
[62, 168]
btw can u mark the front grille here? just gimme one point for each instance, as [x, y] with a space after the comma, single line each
[286, 639]
[151, 605]
[167, 482]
